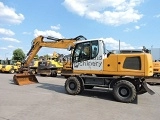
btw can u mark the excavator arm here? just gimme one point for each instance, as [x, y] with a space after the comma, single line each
[37, 44]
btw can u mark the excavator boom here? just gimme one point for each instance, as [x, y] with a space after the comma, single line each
[37, 44]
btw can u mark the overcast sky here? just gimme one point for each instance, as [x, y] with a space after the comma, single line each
[135, 23]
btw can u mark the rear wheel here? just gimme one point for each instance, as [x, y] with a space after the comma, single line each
[124, 91]
[73, 86]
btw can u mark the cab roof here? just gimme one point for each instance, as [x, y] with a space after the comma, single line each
[81, 41]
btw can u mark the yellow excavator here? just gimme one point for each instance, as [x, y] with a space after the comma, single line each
[156, 68]
[155, 79]
[2, 62]
[92, 66]
[123, 74]
[50, 66]
[24, 76]
[34, 65]
[10, 66]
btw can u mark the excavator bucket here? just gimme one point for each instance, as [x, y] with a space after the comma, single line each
[24, 79]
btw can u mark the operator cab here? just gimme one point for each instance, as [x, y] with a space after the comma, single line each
[88, 55]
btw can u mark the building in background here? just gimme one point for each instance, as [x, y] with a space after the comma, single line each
[155, 53]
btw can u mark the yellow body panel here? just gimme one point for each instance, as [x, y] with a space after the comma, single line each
[7, 68]
[114, 65]
[156, 67]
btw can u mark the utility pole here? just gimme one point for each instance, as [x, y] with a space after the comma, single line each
[151, 48]
[5, 55]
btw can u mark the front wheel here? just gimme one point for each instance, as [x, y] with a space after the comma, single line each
[73, 86]
[124, 91]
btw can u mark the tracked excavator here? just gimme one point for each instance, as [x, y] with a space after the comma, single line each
[50, 66]
[24, 76]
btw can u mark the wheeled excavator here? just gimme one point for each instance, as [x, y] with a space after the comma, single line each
[92, 66]
[123, 74]
[24, 76]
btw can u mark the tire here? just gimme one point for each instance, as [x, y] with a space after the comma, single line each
[12, 71]
[73, 86]
[88, 86]
[124, 91]
[53, 73]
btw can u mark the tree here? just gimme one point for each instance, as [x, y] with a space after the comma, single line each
[18, 55]
[46, 56]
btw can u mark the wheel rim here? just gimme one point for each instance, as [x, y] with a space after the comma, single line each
[124, 91]
[72, 85]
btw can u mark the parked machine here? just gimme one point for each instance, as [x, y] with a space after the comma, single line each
[37, 43]
[156, 68]
[10, 66]
[124, 74]
[34, 65]
[2, 62]
[51, 66]
[155, 79]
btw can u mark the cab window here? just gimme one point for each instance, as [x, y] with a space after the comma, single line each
[82, 52]
[86, 51]
[95, 49]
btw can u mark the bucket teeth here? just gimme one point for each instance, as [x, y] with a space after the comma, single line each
[24, 79]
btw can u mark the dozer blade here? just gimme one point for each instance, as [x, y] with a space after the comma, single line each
[24, 79]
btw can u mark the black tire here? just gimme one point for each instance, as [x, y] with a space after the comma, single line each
[53, 73]
[124, 91]
[73, 86]
[88, 86]
[12, 71]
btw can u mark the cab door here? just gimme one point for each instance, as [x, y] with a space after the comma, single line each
[81, 56]
[88, 56]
